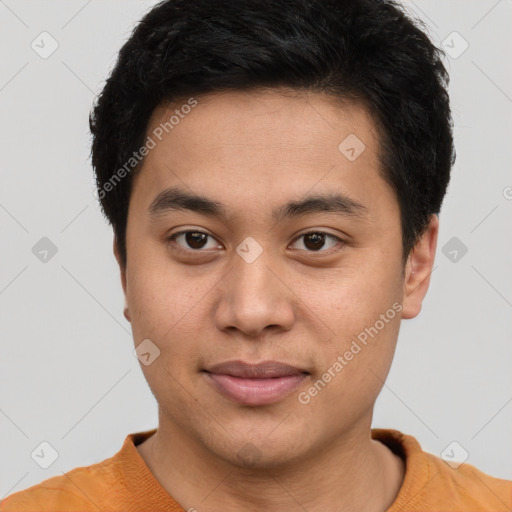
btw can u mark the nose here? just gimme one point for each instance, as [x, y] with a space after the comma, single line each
[255, 298]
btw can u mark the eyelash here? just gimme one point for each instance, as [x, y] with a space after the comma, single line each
[173, 237]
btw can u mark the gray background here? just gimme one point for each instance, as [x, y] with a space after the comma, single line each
[67, 372]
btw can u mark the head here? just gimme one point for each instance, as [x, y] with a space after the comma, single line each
[306, 147]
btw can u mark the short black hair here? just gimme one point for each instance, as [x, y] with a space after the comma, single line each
[369, 51]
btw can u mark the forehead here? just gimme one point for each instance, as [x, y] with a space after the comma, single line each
[256, 147]
[268, 117]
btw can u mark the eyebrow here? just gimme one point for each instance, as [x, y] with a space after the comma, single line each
[177, 199]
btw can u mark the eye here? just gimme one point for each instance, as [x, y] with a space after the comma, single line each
[314, 241]
[194, 240]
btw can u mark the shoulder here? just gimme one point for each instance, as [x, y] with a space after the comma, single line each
[431, 483]
[59, 493]
[471, 487]
[81, 489]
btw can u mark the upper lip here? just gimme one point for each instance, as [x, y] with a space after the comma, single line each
[263, 370]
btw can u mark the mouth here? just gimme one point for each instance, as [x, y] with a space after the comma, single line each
[255, 384]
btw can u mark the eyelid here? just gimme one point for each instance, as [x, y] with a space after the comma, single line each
[318, 231]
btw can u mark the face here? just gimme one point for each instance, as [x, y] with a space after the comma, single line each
[291, 258]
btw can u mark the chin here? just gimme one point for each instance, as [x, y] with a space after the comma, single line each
[260, 447]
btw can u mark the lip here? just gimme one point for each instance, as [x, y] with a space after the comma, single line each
[255, 384]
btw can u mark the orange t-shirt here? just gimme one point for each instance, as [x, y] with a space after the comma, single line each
[124, 483]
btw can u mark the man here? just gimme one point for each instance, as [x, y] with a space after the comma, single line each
[273, 171]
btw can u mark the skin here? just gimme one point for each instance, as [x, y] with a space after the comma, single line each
[253, 152]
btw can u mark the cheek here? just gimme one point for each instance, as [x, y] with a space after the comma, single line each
[352, 376]
[157, 301]
[362, 309]
[166, 313]
[354, 296]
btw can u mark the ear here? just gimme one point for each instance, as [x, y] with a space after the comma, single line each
[122, 269]
[418, 269]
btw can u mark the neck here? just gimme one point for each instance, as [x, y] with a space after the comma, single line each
[352, 474]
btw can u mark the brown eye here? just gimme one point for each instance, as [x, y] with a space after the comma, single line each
[315, 241]
[192, 240]
[195, 240]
